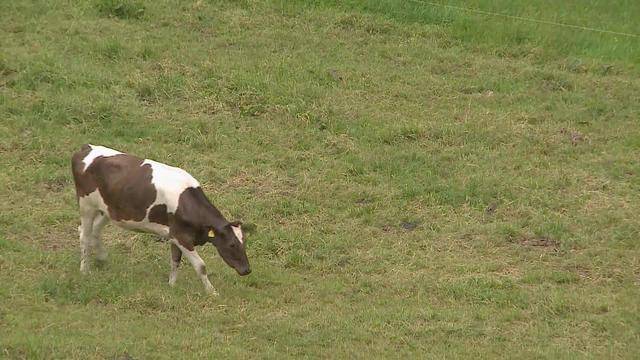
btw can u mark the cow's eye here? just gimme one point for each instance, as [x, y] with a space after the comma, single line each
[232, 245]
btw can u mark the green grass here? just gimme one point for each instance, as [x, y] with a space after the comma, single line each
[512, 38]
[425, 182]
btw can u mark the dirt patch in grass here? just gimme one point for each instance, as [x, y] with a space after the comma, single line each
[543, 242]
[573, 135]
[56, 185]
[58, 238]
[409, 225]
[405, 226]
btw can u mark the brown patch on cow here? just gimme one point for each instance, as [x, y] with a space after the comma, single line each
[85, 184]
[193, 219]
[185, 242]
[125, 185]
[183, 232]
[202, 270]
[188, 235]
[123, 181]
[158, 214]
[201, 236]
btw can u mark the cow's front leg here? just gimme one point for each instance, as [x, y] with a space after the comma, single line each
[176, 255]
[199, 266]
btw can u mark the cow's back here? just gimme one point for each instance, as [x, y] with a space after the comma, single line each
[126, 186]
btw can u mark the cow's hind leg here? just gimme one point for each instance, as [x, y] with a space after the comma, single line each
[176, 255]
[98, 224]
[86, 227]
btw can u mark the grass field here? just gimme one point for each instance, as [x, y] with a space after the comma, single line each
[425, 182]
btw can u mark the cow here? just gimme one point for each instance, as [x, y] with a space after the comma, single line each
[145, 195]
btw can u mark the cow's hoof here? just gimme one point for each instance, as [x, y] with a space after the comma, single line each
[212, 292]
[84, 268]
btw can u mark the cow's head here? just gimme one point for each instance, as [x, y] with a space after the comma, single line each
[229, 242]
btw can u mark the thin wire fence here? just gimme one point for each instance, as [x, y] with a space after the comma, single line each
[514, 17]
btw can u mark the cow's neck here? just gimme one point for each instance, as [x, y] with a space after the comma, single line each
[216, 219]
[194, 206]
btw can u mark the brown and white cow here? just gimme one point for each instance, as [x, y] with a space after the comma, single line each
[141, 194]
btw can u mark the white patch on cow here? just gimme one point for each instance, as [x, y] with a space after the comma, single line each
[173, 275]
[170, 182]
[238, 231]
[94, 202]
[95, 152]
[96, 233]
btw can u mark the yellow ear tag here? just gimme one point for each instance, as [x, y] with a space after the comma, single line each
[211, 233]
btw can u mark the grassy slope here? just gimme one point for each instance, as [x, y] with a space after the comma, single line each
[327, 126]
[506, 37]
